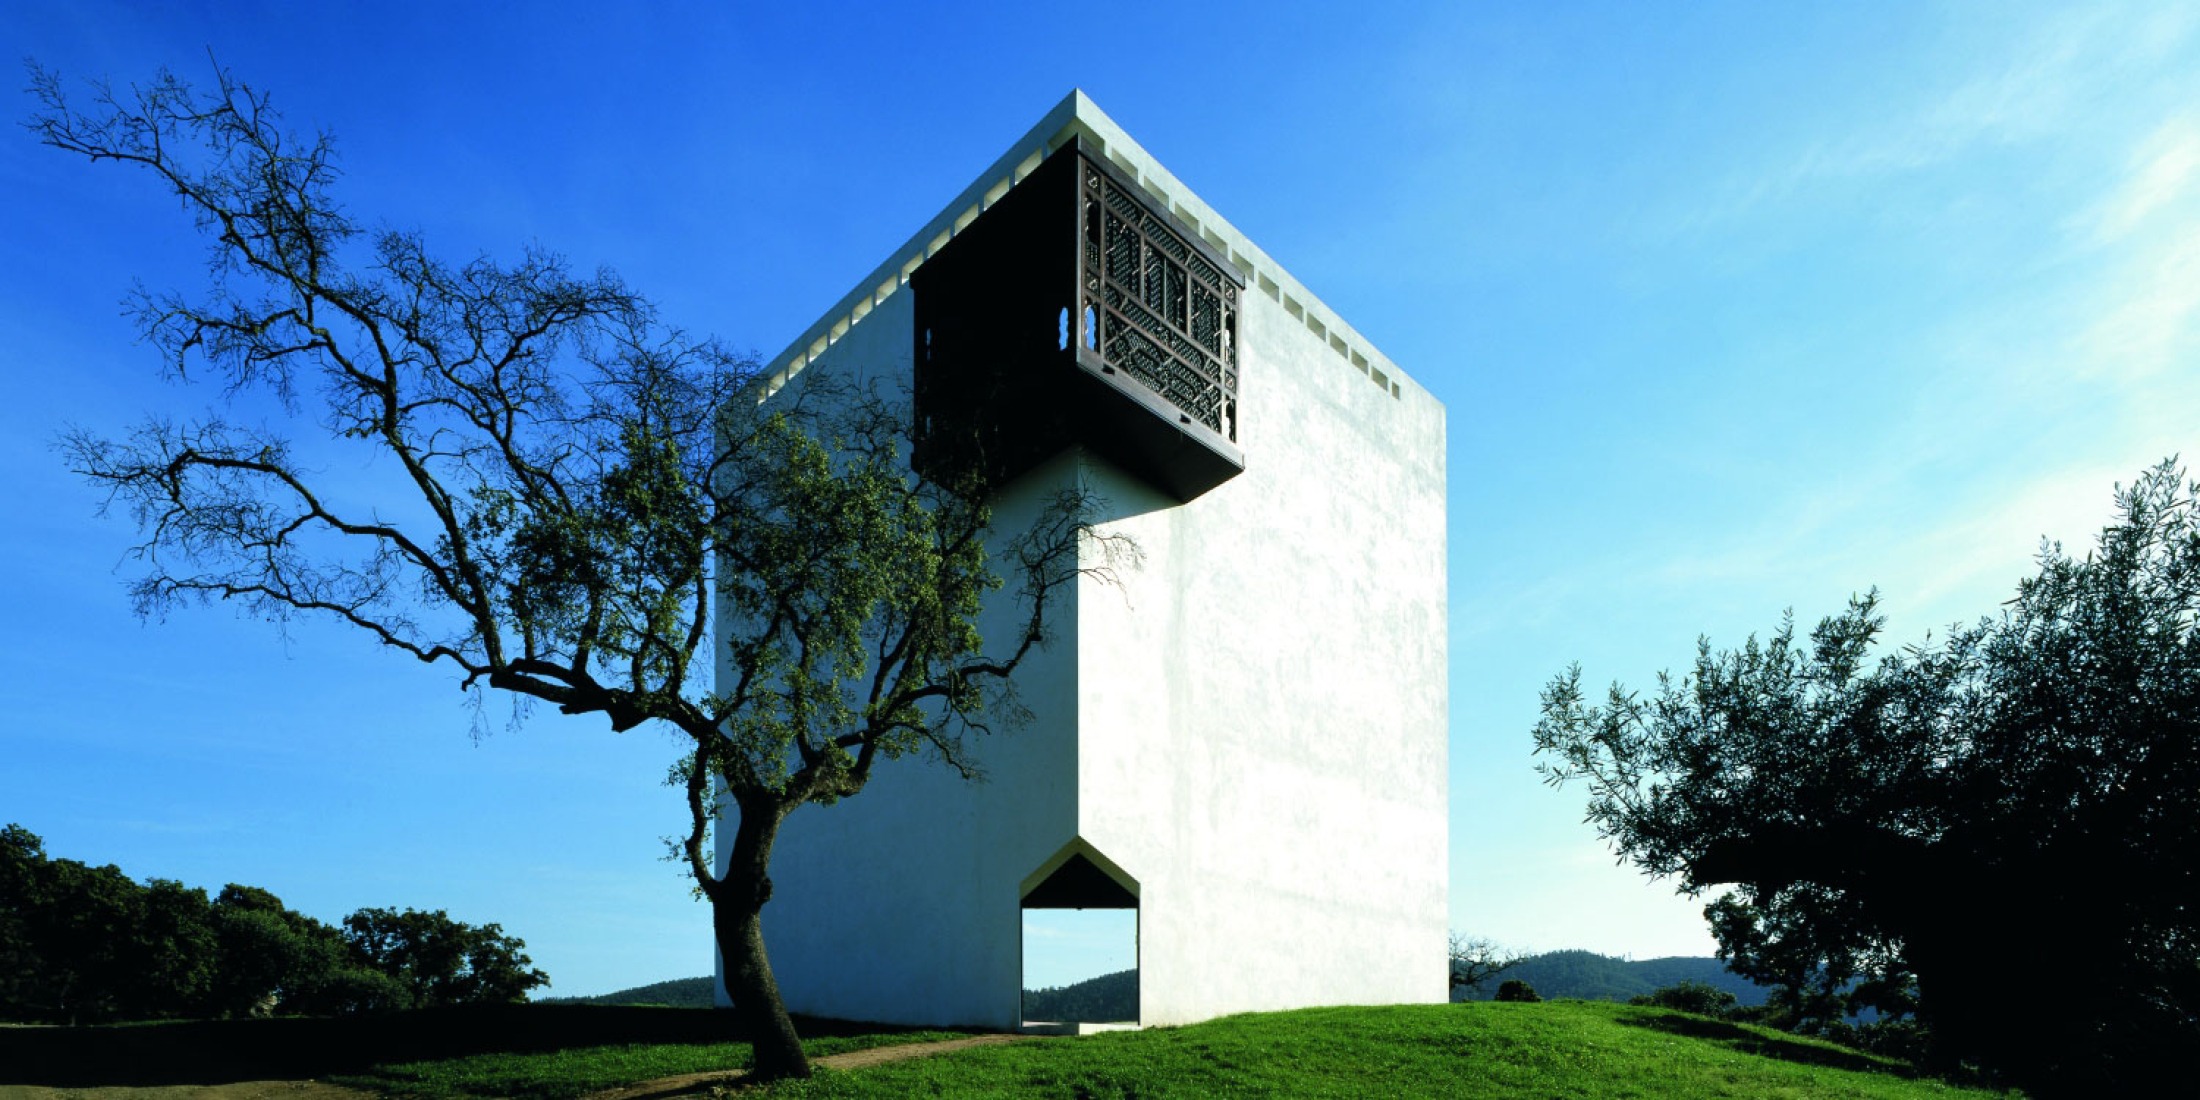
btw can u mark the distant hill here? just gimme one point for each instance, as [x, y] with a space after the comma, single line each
[1108, 998]
[677, 993]
[1594, 977]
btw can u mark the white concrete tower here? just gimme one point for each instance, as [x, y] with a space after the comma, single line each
[1245, 741]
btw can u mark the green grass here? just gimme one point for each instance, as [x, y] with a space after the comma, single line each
[561, 1074]
[1553, 1049]
[1484, 1049]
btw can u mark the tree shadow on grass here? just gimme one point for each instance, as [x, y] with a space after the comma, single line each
[1737, 1038]
[202, 1052]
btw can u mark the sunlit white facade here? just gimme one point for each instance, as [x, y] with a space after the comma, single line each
[1245, 737]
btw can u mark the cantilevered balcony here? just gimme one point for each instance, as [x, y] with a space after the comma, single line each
[1075, 310]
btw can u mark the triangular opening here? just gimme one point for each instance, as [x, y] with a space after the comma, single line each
[1080, 884]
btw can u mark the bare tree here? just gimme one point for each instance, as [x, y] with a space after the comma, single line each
[571, 484]
[1475, 960]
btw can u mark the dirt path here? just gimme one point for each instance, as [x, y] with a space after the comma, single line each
[665, 1087]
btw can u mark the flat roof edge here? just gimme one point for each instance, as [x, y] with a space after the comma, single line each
[1076, 115]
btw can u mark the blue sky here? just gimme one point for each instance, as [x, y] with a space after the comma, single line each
[1734, 308]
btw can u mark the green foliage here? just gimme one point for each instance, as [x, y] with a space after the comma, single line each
[79, 920]
[22, 854]
[85, 944]
[1894, 833]
[1696, 997]
[1903, 1038]
[1109, 998]
[175, 949]
[267, 953]
[434, 960]
[353, 991]
[1515, 990]
[836, 557]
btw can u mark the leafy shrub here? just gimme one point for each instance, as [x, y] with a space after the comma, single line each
[1513, 989]
[354, 990]
[1686, 996]
[1769, 1014]
[1906, 1039]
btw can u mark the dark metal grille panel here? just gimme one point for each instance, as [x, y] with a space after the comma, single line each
[1167, 317]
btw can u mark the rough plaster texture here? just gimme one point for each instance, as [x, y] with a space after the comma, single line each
[1251, 726]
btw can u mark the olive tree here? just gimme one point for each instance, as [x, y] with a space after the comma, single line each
[1999, 830]
[571, 485]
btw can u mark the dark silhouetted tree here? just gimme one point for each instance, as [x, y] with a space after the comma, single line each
[85, 944]
[22, 858]
[1934, 824]
[278, 961]
[1515, 990]
[78, 951]
[264, 954]
[174, 952]
[1687, 996]
[441, 961]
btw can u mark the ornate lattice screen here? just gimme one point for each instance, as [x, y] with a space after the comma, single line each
[1165, 314]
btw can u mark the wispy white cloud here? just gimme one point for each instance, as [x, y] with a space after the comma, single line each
[1946, 558]
[2040, 394]
[1956, 569]
[2052, 78]
[2146, 326]
[1486, 607]
[2162, 174]
[2145, 233]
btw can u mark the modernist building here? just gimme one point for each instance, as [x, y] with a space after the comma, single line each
[1244, 739]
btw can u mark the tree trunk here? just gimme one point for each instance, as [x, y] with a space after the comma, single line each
[737, 920]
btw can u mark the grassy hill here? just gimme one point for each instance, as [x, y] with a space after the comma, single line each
[563, 1052]
[1592, 977]
[1105, 999]
[1581, 974]
[677, 993]
[1565, 1048]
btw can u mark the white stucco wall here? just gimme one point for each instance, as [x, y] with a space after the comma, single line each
[1253, 725]
[1262, 711]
